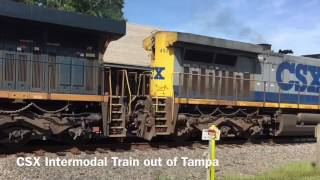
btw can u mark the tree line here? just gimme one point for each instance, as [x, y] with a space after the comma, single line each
[102, 8]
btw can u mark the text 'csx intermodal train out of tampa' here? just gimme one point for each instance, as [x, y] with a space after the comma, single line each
[54, 84]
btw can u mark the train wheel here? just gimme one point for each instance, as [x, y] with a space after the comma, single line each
[226, 131]
[15, 137]
[75, 136]
[182, 134]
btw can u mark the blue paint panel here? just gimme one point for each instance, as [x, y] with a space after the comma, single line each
[260, 97]
[286, 98]
[309, 99]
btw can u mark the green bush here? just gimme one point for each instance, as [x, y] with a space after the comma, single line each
[294, 171]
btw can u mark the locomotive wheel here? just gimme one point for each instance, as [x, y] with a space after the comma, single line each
[182, 134]
[68, 137]
[15, 137]
[227, 131]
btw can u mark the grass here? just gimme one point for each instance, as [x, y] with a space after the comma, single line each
[161, 177]
[295, 171]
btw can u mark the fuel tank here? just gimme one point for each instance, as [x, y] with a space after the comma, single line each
[302, 124]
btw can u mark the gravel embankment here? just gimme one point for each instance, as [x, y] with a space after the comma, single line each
[247, 160]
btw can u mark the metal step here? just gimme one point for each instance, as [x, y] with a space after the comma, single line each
[117, 112]
[116, 109]
[118, 97]
[115, 96]
[160, 98]
[116, 127]
[116, 104]
[161, 111]
[161, 119]
[161, 126]
[159, 104]
[117, 120]
[163, 133]
[117, 135]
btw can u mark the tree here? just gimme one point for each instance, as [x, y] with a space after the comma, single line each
[101, 8]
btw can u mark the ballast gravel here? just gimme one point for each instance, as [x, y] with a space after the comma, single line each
[233, 160]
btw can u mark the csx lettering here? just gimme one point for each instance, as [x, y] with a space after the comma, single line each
[301, 82]
[28, 161]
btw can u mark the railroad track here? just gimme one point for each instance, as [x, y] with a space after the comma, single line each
[39, 148]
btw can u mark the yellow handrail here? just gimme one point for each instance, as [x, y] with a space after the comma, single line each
[129, 89]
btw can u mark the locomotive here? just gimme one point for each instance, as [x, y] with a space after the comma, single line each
[54, 84]
[244, 89]
[52, 80]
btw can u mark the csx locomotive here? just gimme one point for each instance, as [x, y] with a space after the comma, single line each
[54, 84]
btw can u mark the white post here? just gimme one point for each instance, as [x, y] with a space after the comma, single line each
[209, 157]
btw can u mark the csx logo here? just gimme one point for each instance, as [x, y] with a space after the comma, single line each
[28, 161]
[158, 73]
[300, 71]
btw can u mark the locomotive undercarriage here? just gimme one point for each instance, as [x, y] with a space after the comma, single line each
[233, 122]
[39, 120]
[246, 122]
[22, 121]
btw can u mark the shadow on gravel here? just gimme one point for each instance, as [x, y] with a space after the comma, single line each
[267, 140]
[130, 144]
[98, 145]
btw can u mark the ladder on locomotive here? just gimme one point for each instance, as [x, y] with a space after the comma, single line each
[118, 99]
[160, 107]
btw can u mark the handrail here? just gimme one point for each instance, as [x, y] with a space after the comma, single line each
[129, 89]
[139, 83]
[240, 90]
[110, 100]
[235, 78]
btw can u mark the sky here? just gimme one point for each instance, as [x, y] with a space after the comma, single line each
[286, 24]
